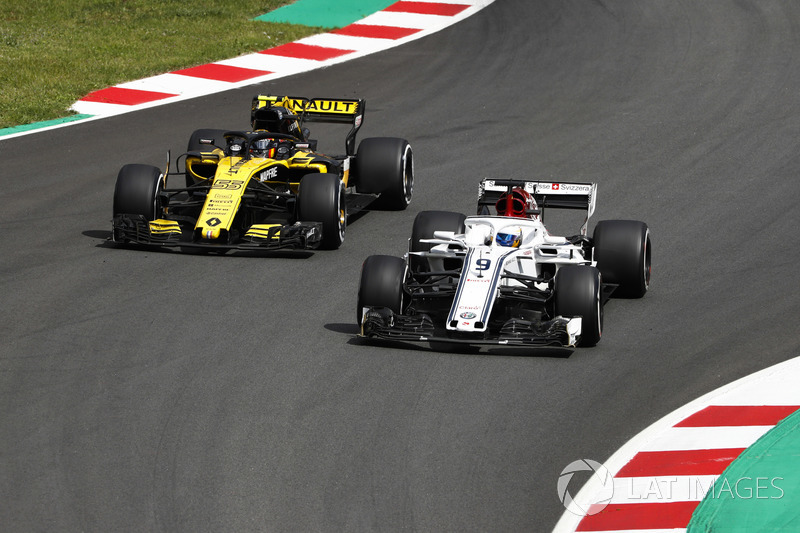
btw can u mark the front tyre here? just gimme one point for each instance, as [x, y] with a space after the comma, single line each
[381, 284]
[321, 198]
[385, 166]
[577, 293]
[137, 191]
[622, 252]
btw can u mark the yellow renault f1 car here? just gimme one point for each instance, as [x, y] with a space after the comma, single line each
[265, 188]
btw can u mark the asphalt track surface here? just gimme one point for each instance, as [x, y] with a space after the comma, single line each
[152, 391]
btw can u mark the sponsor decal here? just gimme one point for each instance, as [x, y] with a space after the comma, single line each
[468, 315]
[569, 188]
[343, 107]
[268, 174]
[332, 106]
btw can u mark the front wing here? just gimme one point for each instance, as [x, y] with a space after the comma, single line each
[161, 232]
[382, 323]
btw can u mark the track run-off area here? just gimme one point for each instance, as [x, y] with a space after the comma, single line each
[157, 391]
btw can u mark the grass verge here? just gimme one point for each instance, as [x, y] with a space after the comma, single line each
[53, 52]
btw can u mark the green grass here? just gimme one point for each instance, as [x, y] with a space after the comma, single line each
[53, 52]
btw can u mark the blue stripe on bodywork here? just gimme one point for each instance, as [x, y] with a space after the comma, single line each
[460, 287]
[462, 282]
[495, 286]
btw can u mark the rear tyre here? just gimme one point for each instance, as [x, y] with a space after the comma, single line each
[136, 191]
[622, 252]
[321, 198]
[577, 293]
[385, 166]
[425, 223]
[381, 284]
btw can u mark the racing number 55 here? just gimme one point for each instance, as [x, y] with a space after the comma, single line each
[227, 184]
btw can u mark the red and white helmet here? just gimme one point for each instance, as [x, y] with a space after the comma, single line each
[516, 203]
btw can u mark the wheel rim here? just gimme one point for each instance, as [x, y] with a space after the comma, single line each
[646, 260]
[342, 222]
[599, 313]
[408, 175]
[156, 206]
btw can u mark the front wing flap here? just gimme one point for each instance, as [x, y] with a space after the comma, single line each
[382, 323]
[161, 232]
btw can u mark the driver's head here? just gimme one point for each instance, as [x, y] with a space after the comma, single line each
[263, 148]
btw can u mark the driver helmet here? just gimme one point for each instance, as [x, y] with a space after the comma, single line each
[263, 148]
[509, 237]
[516, 203]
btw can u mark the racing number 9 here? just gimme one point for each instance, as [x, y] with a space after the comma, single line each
[482, 264]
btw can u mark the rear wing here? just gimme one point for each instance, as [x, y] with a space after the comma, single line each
[330, 110]
[562, 195]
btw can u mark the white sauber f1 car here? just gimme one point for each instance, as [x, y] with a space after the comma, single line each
[501, 279]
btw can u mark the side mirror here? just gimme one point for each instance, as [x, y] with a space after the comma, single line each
[203, 155]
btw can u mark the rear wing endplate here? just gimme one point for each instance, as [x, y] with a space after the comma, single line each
[562, 195]
[330, 110]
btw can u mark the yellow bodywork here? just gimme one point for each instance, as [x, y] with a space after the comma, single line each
[327, 106]
[230, 178]
[225, 195]
[230, 182]
[162, 227]
[261, 231]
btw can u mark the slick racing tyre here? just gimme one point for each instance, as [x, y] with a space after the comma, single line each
[136, 191]
[321, 198]
[622, 252]
[381, 284]
[577, 293]
[385, 166]
[425, 223]
[194, 145]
